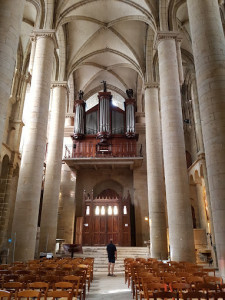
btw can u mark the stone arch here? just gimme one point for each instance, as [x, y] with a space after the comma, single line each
[188, 159]
[107, 184]
[99, 88]
[130, 61]
[191, 180]
[5, 167]
[193, 216]
[197, 177]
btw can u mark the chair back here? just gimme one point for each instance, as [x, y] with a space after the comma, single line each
[194, 295]
[5, 294]
[58, 294]
[28, 294]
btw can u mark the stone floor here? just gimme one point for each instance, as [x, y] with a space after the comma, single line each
[107, 287]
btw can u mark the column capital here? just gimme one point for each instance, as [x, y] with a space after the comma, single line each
[167, 35]
[45, 33]
[151, 85]
[59, 84]
[33, 37]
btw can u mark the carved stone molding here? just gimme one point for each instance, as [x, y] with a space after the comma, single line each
[166, 35]
[33, 37]
[59, 84]
[45, 33]
[151, 85]
[69, 115]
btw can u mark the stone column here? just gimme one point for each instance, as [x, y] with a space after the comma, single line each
[179, 61]
[197, 118]
[11, 14]
[24, 227]
[158, 228]
[32, 54]
[49, 213]
[177, 188]
[201, 206]
[66, 218]
[209, 54]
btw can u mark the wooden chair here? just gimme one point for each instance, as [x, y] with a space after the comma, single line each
[219, 295]
[194, 280]
[150, 288]
[194, 295]
[200, 274]
[87, 270]
[4, 267]
[27, 279]
[28, 294]
[209, 270]
[69, 286]
[60, 273]
[64, 286]
[213, 279]
[172, 279]
[208, 288]
[184, 275]
[142, 277]
[79, 284]
[13, 287]
[145, 275]
[11, 277]
[5, 294]
[90, 262]
[23, 272]
[59, 294]
[165, 295]
[180, 287]
[5, 272]
[51, 280]
[43, 287]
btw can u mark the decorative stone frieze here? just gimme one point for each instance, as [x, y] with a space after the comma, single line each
[45, 33]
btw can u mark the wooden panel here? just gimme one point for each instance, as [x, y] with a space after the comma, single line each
[100, 228]
[119, 147]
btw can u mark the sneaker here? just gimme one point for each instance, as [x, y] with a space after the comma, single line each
[113, 275]
[109, 274]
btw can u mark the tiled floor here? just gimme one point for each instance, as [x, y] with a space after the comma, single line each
[107, 287]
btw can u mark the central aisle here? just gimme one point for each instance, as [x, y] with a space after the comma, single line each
[107, 287]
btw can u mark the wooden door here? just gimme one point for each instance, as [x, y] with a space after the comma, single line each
[113, 224]
[106, 218]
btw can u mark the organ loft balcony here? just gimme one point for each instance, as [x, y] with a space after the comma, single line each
[104, 135]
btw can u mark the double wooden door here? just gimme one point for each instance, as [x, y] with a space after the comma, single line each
[106, 218]
[105, 226]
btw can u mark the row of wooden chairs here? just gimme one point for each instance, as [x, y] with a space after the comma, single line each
[51, 272]
[75, 286]
[31, 294]
[141, 272]
[185, 296]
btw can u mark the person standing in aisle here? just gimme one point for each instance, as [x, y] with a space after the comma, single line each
[112, 256]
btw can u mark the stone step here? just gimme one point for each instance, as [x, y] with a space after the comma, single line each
[101, 258]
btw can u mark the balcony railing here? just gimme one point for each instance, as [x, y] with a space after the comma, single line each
[85, 150]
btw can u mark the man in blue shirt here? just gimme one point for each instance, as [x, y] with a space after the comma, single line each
[112, 256]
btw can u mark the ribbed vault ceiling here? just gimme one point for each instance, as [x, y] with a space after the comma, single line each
[106, 39]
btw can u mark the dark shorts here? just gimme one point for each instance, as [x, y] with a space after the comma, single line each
[111, 260]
